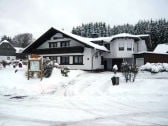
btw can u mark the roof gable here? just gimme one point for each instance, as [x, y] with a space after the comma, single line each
[6, 44]
[52, 31]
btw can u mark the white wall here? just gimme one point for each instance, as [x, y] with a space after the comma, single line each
[87, 55]
[135, 47]
[114, 49]
[142, 46]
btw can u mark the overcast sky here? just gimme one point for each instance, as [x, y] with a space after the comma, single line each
[37, 16]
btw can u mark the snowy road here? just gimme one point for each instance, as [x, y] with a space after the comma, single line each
[84, 99]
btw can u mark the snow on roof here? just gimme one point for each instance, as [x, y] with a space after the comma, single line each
[106, 39]
[143, 35]
[4, 41]
[154, 52]
[85, 41]
[122, 35]
[19, 49]
[161, 48]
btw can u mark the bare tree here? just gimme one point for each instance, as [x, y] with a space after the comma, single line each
[23, 40]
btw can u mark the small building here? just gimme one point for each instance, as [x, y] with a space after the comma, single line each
[7, 51]
[159, 55]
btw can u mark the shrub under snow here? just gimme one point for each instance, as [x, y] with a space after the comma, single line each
[155, 67]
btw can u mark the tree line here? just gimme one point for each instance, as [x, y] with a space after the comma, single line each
[20, 40]
[158, 30]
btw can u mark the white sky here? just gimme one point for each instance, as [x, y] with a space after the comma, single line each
[37, 16]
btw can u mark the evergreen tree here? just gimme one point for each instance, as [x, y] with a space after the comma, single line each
[158, 30]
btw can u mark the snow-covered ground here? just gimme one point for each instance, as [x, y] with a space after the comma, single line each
[82, 99]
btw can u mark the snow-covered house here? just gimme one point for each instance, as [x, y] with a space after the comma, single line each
[87, 53]
[122, 47]
[68, 50]
[7, 51]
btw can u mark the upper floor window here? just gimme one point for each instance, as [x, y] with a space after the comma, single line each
[121, 46]
[77, 59]
[129, 46]
[52, 44]
[65, 44]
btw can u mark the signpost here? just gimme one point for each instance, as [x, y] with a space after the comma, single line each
[35, 66]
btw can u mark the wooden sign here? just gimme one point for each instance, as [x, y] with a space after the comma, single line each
[35, 66]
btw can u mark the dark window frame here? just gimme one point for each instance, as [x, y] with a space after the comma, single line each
[121, 46]
[53, 44]
[79, 59]
[129, 46]
[65, 44]
[64, 60]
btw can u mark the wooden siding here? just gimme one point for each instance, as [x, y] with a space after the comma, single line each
[153, 57]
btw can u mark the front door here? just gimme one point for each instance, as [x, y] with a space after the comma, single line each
[117, 62]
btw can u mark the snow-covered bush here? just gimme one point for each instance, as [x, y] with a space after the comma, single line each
[115, 68]
[155, 67]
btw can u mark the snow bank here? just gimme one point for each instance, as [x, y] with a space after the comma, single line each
[155, 67]
[82, 99]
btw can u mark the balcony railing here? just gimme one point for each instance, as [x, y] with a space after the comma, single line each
[75, 49]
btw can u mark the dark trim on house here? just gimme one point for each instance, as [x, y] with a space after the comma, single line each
[75, 49]
[78, 60]
[64, 60]
[127, 37]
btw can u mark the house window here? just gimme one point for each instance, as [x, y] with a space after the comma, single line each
[65, 44]
[77, 59]
[64, 60]
[129, 46]
[121, 46]
[52, 44]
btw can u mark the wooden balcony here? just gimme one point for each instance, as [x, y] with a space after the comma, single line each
[75, 49]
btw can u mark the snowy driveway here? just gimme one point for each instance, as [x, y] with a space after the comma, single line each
[83, 99]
